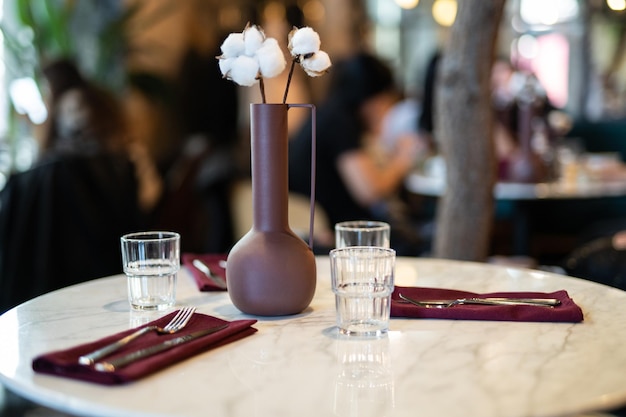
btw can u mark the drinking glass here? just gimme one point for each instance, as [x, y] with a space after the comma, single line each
[362, 280]
[151, 261]
[362, 233]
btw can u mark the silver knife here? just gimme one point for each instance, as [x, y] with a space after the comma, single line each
[116, 363]
[217, 280]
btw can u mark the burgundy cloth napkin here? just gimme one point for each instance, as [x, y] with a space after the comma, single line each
[567, 311]
[65, 362]
[213, 261]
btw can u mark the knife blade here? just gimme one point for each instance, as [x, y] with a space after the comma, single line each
[116, 363]
[204, 268]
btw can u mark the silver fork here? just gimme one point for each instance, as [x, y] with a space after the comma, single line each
[540, 302]
[179, 321]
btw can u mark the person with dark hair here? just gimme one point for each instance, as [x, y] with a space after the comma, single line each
[425, 120]
[352, 179]
[60, 221]
[83, 116]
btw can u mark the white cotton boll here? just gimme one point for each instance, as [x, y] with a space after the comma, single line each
[225, 65]
[304, 41]
[316, 65]
[233, 45]
[253, 39]
[244, 71]
[271, 59]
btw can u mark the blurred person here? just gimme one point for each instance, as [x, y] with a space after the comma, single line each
[426, 119]
[433, 165]
[86, 119]
[77, 110]
[61, 220]
[514, 93]
[201, 170]
[355, 180]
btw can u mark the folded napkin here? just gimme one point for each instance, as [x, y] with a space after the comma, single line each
[567, 311]
[213, 262]
[65, 362]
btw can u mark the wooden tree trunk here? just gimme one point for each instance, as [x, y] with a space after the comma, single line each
[463, 127]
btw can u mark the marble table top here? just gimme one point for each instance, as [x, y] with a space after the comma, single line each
[299, 366]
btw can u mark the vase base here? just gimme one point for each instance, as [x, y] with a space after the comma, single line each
[271, 274]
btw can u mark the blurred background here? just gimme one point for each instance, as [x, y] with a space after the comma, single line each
[187, 128]
[137, 48]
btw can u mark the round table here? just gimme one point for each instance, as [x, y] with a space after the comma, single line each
[298, 365]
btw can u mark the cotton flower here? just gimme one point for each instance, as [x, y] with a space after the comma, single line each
[304, 45]
[317, 64]
[233, 46]
[303, 41]
[244, 70]
[249, 57]
[253, 38]
[271, 59]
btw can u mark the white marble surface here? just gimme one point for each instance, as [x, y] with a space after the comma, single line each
[297, 366]
[435, 187]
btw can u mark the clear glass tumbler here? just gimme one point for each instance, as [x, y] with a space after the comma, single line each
[362, 233]
[151, 261]
[362, 280]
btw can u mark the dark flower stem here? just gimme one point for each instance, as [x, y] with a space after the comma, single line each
[262, 87]
[293, 64]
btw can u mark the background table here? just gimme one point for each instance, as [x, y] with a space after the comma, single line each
[435, 187]
[563, 209]
[298, 365]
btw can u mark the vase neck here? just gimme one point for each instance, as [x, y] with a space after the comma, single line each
[270, 166]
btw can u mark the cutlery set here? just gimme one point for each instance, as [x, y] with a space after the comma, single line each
[114, 364]
[177, 323]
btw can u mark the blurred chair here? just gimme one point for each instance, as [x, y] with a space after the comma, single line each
[61, 221]
[601, 259]
[196, 202]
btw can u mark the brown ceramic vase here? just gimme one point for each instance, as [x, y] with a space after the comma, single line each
[270, 270]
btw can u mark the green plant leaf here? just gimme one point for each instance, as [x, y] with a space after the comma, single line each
[59, 19]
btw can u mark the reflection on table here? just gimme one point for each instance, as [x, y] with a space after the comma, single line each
[298, 365]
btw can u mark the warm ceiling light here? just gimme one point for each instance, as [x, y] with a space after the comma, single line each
[407, 4]
[444, 12]
[617, 5]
